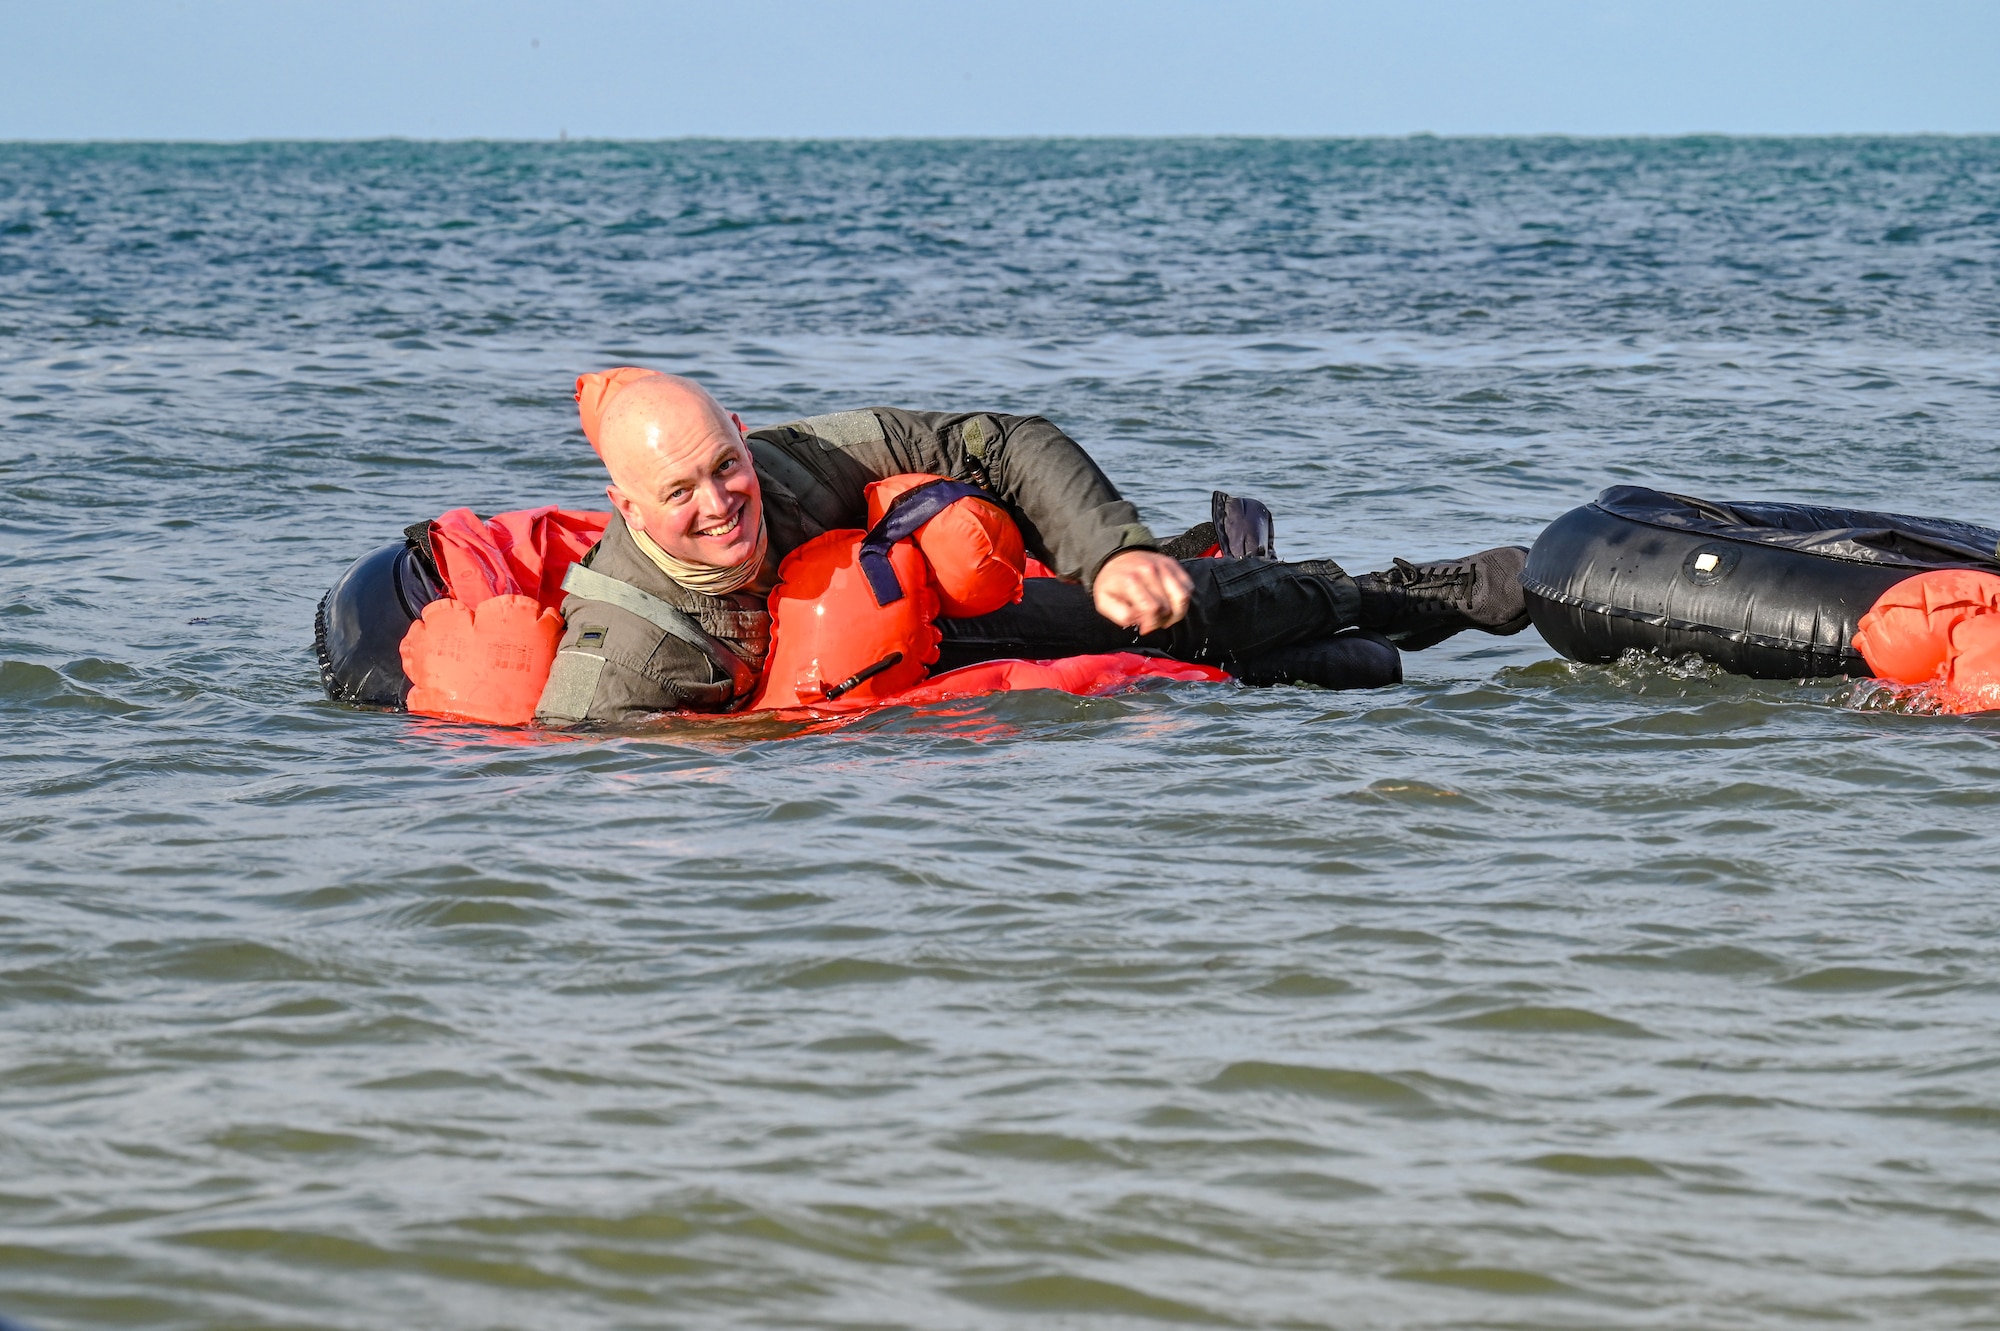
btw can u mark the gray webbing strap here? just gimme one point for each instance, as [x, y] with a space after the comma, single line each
[571, 687]
[595, 586]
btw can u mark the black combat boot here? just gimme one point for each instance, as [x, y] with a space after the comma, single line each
[1420, 605]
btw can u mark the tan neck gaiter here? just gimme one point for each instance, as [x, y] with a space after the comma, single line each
[706, 579]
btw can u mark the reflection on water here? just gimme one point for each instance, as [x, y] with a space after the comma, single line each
[1524, 993]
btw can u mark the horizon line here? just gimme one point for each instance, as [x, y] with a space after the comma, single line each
[1219, 136]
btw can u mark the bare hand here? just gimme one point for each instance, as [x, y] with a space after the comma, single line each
[1142, 590]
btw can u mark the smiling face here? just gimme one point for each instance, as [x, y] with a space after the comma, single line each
[681, 472]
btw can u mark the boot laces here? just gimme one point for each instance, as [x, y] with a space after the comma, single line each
[1430, 581]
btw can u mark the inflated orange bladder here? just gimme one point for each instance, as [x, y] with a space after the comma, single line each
[854, 614]
[831, 638]
[973, 546]
[1941, 631]
[485, 662]
[1972, 677]
[526, 551]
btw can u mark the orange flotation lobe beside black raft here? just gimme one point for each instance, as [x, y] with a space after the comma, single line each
[1938, 633]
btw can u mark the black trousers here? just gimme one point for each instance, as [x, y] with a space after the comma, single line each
[1239, 610]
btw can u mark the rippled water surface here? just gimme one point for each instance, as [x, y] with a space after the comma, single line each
[1522, 994]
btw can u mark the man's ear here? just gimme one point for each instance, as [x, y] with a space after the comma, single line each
[742, 430]
[626, 508]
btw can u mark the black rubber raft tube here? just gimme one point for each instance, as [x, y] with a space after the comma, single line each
[358, 633]
[1774, 591]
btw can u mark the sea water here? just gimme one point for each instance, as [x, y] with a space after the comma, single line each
[1522, 994]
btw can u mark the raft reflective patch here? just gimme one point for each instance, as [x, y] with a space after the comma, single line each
[844, 429]
[1710, 564]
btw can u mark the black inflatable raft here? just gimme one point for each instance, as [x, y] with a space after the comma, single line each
[358, 632]
[1770, 590]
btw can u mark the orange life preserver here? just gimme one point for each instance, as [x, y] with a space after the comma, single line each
[485, 662]
[523, 553]
[1938, 631]
[829, 636]
[973, 547]
[483, 651]
[854, 614]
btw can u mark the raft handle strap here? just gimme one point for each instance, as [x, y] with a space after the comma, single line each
[908, 513]
[594, 586]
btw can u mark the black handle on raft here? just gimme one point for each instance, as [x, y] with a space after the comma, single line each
[863, 675]
[908, 513]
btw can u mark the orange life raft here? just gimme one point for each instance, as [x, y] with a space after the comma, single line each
[475, 641]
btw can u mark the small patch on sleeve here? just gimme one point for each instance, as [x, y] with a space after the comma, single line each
[979, 435]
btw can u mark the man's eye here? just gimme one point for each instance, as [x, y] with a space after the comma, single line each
[727, 464]
[679, 496]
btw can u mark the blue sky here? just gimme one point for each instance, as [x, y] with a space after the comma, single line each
[234, 69]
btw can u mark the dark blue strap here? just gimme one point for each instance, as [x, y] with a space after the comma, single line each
[900, 523]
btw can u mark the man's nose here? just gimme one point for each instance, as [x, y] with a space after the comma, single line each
[715, 497]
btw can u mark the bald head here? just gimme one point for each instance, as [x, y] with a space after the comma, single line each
[654, 418]
[680, 470]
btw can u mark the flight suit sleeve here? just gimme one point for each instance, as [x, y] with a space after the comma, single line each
[1071, 517]
[614, 668]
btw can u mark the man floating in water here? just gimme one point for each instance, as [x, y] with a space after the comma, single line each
[705, 510]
